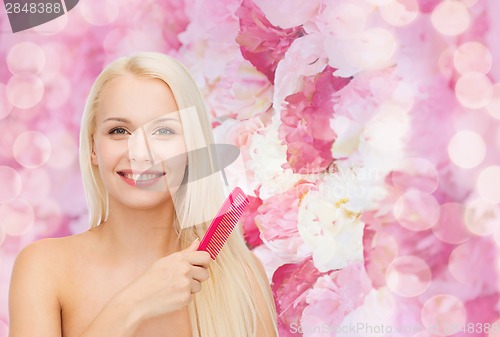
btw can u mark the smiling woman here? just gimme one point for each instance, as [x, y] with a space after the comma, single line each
[137, 271]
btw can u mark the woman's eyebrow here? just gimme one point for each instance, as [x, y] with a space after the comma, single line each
[155, 121]
[117, 119]
[164, 119]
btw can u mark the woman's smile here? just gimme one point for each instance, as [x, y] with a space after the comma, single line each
[144, 179]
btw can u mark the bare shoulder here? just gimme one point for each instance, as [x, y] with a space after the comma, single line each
[38, 273]
[48, 255]
[45, 260]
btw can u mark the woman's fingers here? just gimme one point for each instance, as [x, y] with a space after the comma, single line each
[200, 274]
[195, 286]
[199, 258]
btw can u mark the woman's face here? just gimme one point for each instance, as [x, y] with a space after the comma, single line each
[138, 144]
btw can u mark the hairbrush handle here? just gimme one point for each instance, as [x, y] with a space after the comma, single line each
[224, 223]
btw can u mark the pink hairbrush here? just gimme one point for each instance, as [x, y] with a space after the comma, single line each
[224, 223]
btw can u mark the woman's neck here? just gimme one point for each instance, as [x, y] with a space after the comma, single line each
[138, 236]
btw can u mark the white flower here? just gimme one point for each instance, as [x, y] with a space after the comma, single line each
[268, 155]
[334, 233]
[357, 185]
[348, 133]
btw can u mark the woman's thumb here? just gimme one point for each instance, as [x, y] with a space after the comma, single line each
[194, 245]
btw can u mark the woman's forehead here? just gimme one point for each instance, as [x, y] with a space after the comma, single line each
[139, 100]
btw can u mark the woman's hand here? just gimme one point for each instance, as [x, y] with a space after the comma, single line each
[168, 284]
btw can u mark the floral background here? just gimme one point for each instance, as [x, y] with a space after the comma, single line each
[369, 129]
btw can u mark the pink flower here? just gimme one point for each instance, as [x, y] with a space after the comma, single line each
[306, 126]
[208, 42]
[238, 132]
[290, 285]
[242, 92]
[263, 44]
[250, 230]
[277, 220]
[334, 296]
[288, 14]
[305, 57]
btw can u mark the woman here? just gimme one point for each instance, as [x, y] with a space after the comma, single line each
[137, 271]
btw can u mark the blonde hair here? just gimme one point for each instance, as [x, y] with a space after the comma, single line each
[226, 306]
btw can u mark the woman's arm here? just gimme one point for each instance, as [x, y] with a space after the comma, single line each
[38, 273]
[166, 286]
[33, 304]
[115, 319]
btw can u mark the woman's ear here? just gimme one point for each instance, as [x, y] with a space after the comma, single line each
[93, 156]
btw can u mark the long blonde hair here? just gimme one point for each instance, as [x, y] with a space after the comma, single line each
[226, 306]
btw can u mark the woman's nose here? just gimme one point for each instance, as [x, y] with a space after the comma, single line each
[138, 147]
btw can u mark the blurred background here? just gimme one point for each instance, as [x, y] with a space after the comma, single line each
[369, 130]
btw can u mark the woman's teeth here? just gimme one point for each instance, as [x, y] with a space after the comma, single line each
[142, 177]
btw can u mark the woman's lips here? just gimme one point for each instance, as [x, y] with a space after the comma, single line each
[144, 179]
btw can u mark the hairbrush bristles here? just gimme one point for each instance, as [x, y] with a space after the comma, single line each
[224, 223]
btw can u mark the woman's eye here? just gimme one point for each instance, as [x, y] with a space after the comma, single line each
[118, 131]
[164, 131]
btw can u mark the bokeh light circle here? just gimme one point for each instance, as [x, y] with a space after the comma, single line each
[463, 265]
[450, 227]
[372, 49]
[445, 63]
[467, 149]
[488, 184]
[473, 57]
[16, 217]
[408, 276]
[26, 57]
[5, 105]
[450, 18]
[31, 149]
[474, 90]
[400, 12]
[482, 217]
[11, 184]
[383, 250]
[25, 90]
[417, 173]
[416, 210]
[494, 106]
[439, 311]
[102, 13]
